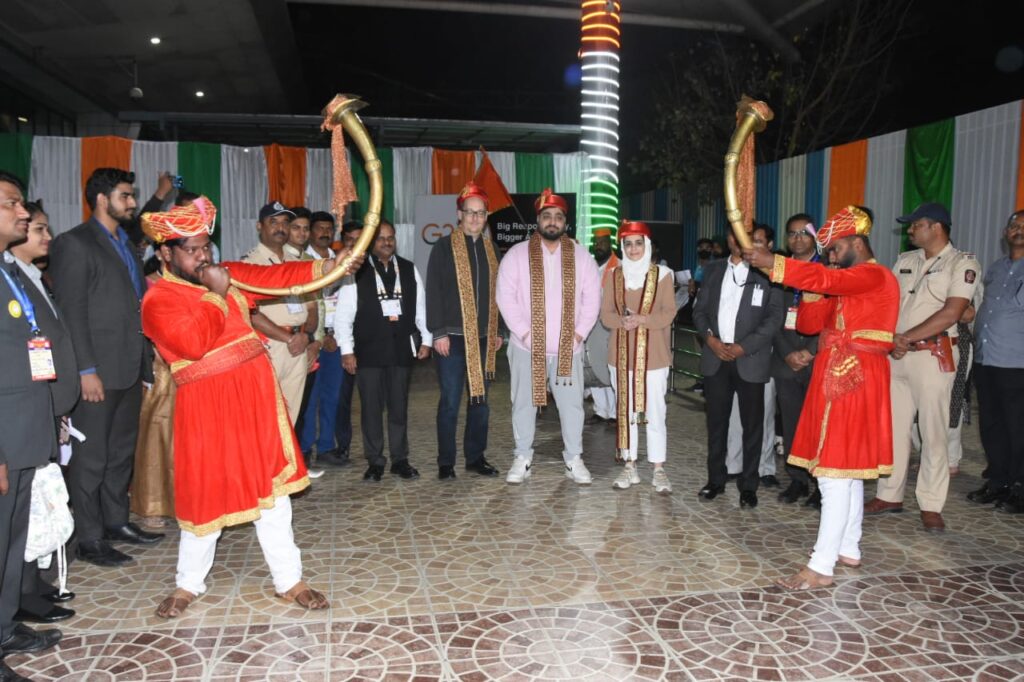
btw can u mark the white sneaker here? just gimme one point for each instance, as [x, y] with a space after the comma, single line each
[314, 473]
[519, 471]
[660, 482]
[577, 471]
[627, 477]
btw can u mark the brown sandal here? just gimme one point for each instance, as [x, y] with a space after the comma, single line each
[805, 579]
[175, 605]
[305, 596]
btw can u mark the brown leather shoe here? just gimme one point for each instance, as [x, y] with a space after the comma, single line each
[879, 506]
[933, 522]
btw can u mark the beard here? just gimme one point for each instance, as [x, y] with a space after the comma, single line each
[847, 261]
[602, 256]
[124, 218]
[552, 236]
[178, 272]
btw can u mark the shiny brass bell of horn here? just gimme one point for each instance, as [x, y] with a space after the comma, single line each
[341, 110]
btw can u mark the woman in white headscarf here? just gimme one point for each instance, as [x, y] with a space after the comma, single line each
[638, 307]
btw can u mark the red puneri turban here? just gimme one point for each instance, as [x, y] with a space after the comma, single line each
[181, 222]
[848, 222]
[549, 199]
[630, 228]
[471, 190]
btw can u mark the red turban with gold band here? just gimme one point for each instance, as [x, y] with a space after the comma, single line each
[549, 199]
[471, 190]
[633, 228]
[848, 222]
[181, 222]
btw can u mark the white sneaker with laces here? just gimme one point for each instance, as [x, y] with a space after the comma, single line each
[660, 481]
[577, 471]
[314, 473]
[519, 471]
[627, 477]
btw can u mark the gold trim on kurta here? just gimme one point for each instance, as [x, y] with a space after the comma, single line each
[778, 269]
[810, 297]
[829, 472]
[210, 297]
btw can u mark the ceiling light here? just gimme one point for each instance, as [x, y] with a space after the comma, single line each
[23, 119]
[155, 40]
[200, 93]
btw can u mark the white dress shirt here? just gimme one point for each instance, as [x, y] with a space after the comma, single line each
[729, 301]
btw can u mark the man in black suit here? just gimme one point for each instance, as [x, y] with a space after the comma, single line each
[37, 596]
[737, 312]
[793, 360]
[27, 435]
[98, 283]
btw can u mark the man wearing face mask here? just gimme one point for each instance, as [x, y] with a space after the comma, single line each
[549, 294]
[98, 284]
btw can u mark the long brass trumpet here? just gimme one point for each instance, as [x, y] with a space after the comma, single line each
[342, 110]
[753, 116]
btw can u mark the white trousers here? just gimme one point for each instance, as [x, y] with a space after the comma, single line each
[604, 401]
[842, 513]
[734, 443]
[657, 434]
[274, 531]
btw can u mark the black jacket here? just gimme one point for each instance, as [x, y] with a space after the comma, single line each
[378, 341]
[755, 325]
[101, 310]
[68, 385]
[787, 341]
[444, 308]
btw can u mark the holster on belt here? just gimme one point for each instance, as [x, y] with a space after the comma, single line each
[941, 348]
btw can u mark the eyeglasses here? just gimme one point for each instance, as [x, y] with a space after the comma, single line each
[801, 233]
[474, 214]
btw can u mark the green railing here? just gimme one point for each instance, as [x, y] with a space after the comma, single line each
[685, 357]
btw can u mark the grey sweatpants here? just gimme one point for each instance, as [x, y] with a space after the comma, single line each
[568, 398]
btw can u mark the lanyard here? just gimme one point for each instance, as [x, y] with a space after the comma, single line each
[22, 296]
[382, 292]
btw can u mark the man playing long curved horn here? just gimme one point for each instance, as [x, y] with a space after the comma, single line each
[845, 431]
[243, 465]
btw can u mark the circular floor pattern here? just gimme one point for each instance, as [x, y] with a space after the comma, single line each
[1010, 670]
[256, 591]
[562, 643]
[743, 635]
[946, 615]
[353, 650]
[1007, 580]
[143, 657]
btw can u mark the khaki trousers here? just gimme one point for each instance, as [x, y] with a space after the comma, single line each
[919, 388]
[291, 374]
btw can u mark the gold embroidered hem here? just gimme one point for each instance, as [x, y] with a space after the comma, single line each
[538, 313]
[778, 269]
[831, 472]
[238, 518]
[210, 297]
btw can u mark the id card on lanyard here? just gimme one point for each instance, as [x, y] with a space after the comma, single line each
[390, 306]
[40, 351]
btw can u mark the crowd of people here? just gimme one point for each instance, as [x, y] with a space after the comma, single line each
[134, 329]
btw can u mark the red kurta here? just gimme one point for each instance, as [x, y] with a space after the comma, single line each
[845, 429]
[234, 446]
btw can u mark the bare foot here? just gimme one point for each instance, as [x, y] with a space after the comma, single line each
[305, 596]
[805, 579]
[175, 605]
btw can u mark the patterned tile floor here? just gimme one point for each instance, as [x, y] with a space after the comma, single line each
[479, 580]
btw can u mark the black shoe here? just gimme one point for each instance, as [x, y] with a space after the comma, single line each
[54, 615]
[748, 499]
[794, 492]
[132, 534]
[100, 553]
[483, 467]
[25, 640]
[731, 477]
[814, 500]
[988, 495]
[446, 473]
[373, 473]
[770, 481]
[8, 675]
[404, 470]
[696, 388]
[333, 458]
[710, 492]
[56, 597]
[1013, 503]
[595, 419]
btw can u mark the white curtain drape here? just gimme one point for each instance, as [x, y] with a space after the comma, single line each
[244, 190]
[319, 176]
[56, 178]
[883, 193]
[149, 160]
[568, 172]
[792, 194]
[412, 178]
[985, 179]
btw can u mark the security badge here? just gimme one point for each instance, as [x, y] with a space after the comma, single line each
[791, 318]
[40, 359]
[392, 308]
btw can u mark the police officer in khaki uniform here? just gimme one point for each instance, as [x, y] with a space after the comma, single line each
[937, 283]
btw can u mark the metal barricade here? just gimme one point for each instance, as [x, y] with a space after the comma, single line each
[685, 356]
